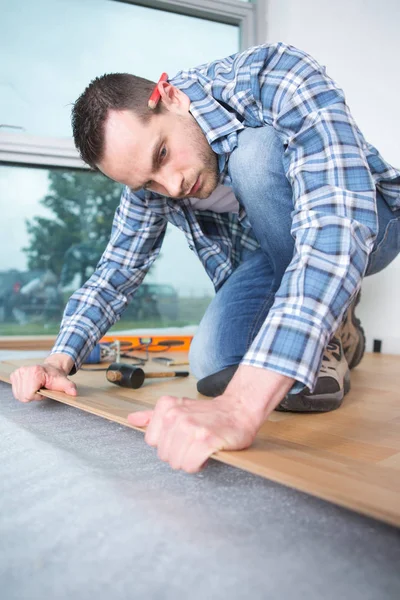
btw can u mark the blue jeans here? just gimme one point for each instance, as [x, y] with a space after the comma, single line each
[238, 310]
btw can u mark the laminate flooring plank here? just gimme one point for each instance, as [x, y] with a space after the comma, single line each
[350, 456]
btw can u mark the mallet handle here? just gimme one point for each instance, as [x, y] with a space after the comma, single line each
[167, 374]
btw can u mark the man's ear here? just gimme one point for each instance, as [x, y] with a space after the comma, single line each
[173, 99]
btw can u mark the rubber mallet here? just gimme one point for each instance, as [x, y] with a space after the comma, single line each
[131, 376]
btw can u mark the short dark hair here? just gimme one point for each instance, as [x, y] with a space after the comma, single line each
[113, 91]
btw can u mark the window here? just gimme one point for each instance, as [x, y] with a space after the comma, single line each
[56, 215]
[52, 240]
[55, 47]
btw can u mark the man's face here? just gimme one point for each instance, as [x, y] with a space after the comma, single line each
[169, 155]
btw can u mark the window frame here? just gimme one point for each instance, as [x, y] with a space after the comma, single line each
[33, 150]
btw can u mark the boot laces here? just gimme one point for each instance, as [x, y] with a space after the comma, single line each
[332, 356]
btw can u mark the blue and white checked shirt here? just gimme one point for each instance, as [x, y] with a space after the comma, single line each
[334, 174]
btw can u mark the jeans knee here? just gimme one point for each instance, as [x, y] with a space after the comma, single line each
[259, 150]
[201, 356]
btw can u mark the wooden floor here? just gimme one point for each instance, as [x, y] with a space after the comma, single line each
[350, 456]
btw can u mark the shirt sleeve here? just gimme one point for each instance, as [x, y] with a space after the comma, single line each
[136, 238]
[334, 219]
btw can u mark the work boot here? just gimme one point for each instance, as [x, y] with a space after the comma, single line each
[352, 335]
[332, 384]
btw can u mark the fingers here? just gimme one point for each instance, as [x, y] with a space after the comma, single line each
[26, 381]
[191, 452]
[165, 414]
[172, 444]
[185, 452]
[196, 456]
[140, 418]
[179, 437]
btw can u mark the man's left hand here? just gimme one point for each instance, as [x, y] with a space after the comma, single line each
[186, 432]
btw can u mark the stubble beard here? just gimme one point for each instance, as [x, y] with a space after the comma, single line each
[209, 172]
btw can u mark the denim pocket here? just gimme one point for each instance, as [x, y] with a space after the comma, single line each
[387, 249]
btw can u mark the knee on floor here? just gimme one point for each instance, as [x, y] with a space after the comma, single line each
[202, 357]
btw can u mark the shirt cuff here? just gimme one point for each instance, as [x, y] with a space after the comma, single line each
[76, 344]
[290, 345]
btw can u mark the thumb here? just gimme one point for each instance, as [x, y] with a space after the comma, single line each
[62, 384]
[141, 418]
[70, 389]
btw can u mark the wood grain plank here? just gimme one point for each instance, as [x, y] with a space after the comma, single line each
[350, 457]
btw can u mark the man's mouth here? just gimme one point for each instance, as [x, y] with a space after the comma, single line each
[195, 187]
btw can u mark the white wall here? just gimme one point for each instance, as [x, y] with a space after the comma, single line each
[359, 43]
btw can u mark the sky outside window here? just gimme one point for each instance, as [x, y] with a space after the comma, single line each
[55, 47]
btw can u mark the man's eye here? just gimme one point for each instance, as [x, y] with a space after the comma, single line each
[163, 153]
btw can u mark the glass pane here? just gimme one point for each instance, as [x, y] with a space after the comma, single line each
[55, 47]
[54, 235]
[60, 219]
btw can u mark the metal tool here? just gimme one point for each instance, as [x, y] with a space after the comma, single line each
[131, 376]
[170, 362]
[104, 353]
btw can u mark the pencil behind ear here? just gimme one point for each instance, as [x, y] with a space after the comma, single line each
[156, 94]
[173, 98]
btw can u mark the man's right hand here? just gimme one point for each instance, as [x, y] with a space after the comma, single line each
[26, 381]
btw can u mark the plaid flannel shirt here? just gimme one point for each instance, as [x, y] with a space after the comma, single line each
[334, 174]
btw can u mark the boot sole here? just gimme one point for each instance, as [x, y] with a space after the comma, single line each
[315, 404]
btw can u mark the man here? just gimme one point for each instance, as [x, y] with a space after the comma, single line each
[258, 160]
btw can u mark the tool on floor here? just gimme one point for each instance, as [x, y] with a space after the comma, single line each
[133, 377]
[169, 362]
[146, 345]
[104, 353]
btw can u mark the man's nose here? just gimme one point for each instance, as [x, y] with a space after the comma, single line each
[172, 182]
